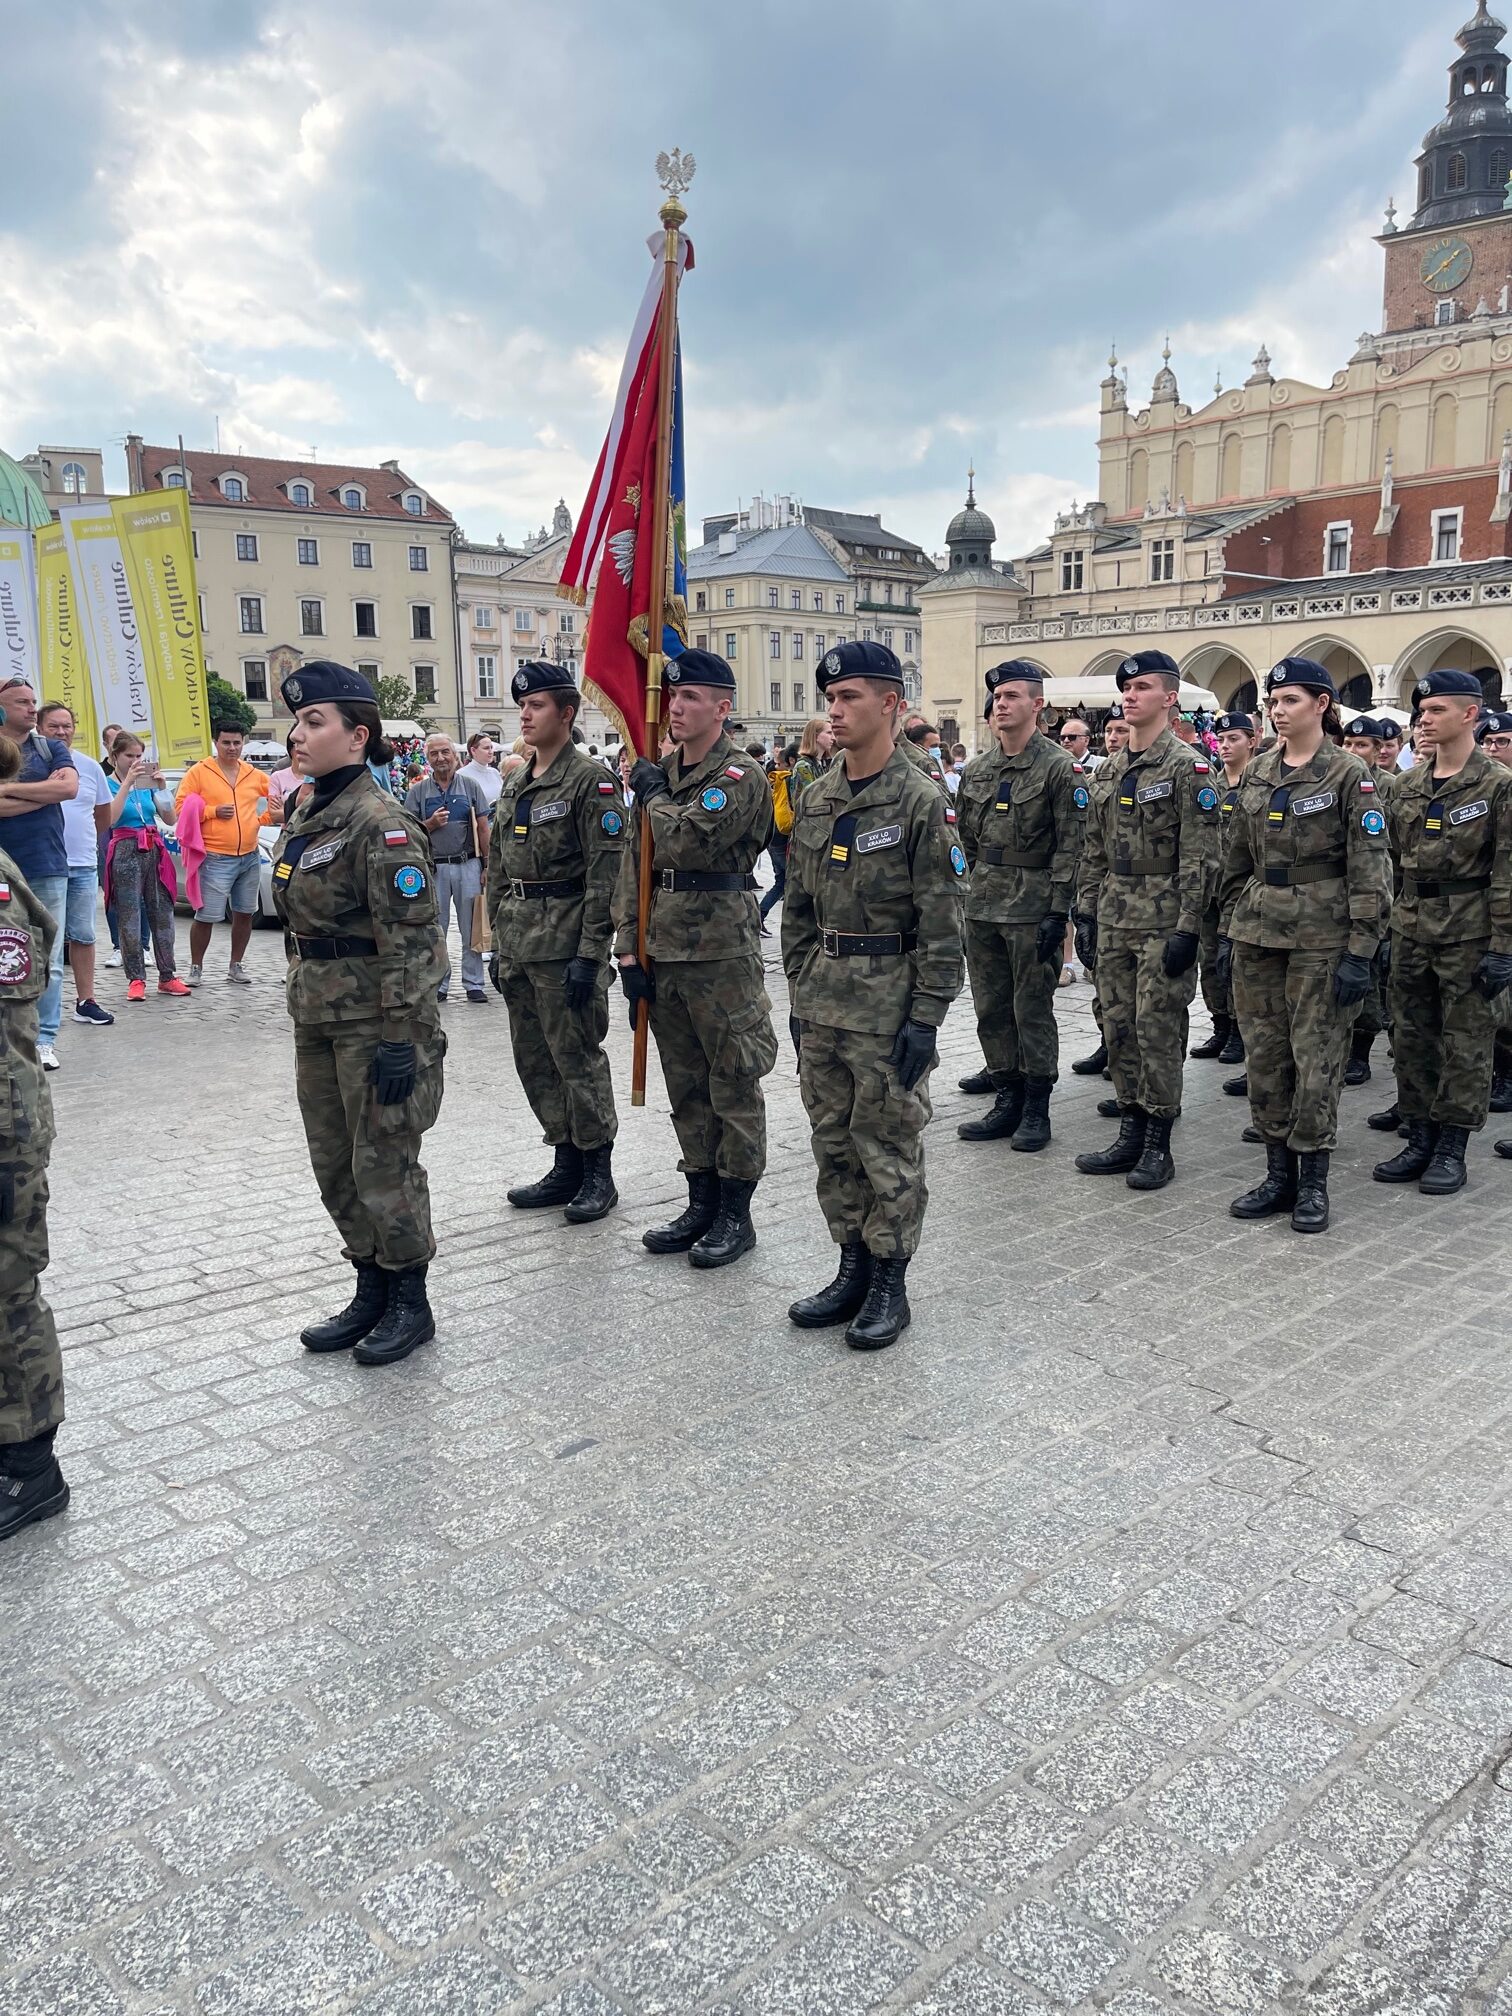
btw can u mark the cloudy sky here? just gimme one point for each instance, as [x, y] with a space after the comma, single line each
[417, 230]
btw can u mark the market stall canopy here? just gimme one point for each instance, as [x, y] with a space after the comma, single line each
[1101, 693]
[405, 730]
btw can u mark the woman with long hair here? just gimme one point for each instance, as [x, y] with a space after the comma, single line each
[139, 877]
[815, 747]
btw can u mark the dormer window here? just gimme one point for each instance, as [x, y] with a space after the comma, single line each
[233, 489]
[173, 479]
[1456, 175]
[75, 482]
[414, 503]
[352, 497]
[299, 493]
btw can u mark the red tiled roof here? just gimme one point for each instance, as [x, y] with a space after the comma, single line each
[267, 484]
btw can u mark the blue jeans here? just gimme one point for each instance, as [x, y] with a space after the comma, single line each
[83, 895]
[52, 892]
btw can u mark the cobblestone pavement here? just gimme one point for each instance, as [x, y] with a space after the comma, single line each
[1137, 1636]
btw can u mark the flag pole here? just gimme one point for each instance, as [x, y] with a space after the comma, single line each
[673, 217]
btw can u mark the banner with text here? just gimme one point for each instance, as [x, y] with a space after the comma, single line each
[65, 662]
[156, 539]
[18, 606]
[102, 582]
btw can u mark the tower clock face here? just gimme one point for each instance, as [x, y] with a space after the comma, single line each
[1446, 264]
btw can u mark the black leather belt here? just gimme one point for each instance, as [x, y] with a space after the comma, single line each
[854, 945]
[1309, 871]
[1144, 864]
[1004, 857]
[698, 882]
[1446, 885]
[333, 948]
[532, 889]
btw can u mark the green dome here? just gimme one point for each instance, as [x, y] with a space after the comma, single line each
[21, 502]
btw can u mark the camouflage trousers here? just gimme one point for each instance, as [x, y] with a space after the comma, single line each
[1373, 1017]
[713, 1027]
[366, 1157]
[1014, 997]
[31, 1366]
[868, 1139]
[1445, 1033]
[1296, 1043]
[1217, 999]
[559, 1053]
[1144, 1021]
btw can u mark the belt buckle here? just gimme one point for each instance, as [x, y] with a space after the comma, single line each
[517, 888]
[829, 943]
[666, 880]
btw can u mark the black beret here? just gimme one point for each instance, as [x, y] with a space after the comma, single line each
[323, 679]
[1304, 672]
[540, 675]
[1226, 724]
[1447, 685]
[1115, 712]
[1366, 724]
[1011, 669]
[1494, 723]
[859, 661]
[698, 668]
[1146, 661]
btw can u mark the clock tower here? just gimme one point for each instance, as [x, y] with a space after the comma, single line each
[1457, 252]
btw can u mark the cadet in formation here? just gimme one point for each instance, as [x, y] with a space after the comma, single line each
[1363, 738]
[1148, 867]
[1236, 737]
[1450, 819]
[709, 809]
[32, 1485]
[354, 887]
[553, 862]
[871, 945]
[1304, 901]
[1115, 741]
[1020, 809]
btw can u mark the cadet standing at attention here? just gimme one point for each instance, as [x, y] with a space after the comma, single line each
[1362, 738]
[1451, 833]
[1115, 741]
[710, 809]
[1148, 867]
[354, 888]
[1305, 899]
[553, 860]
[1236, 745]
[871, 945]
[1020, 808]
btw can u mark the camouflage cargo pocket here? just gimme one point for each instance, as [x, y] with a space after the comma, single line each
[418, 1113]
[748, 1048]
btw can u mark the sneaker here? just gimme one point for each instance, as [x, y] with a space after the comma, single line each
[196, 974]
[115, 957]
[137, 991]
[237, 975]
[47, 1057]
[172, 985]
[478, 998]
[92, 1015]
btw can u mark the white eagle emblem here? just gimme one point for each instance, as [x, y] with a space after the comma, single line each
[622, 546]
[832, 664]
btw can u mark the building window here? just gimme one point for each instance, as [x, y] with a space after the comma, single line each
[774, 599]
[255, 678]
[419, 560]
[1456, 175]
[205, 616]
[309, 552]
[173, 479]
[488, 676]
[299, 493]
[729, 598]
[424, 681]
[365, 617]
[420, 621]
[194, 542]
[233, 489]
[251, 615]
[818, 645]
[887, 639]
[1446, 535]
[798, 644]
[566, 621]
[774, 643]
[775, 692]
[839, 605]
[701, 641]
[362, 553]
[352, 498]
[908, 642]
[246, 545]
[818, 601]
[1443, 314]
[369, 668]
[312, 619]
[1162, 560]
[1496, 174]
[795, 596]
[701, 600]
[1336, 544]
[74, 479]
[887, 588]
[800, 697]
[1071, 571]
[729, 650]
[866, 636]
[483, 617]
[523, 620]
[414, 503]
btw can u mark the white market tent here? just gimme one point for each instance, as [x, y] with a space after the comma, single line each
[1102, 693]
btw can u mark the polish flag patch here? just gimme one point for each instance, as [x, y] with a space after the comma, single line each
[395, 839]
[733, 772]
[950, 817]
[1366, 785]
[1202, 768]
[606, 790]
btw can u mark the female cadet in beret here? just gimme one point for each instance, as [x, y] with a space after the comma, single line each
[354, 886]
[1303, 904]
[1236, 735]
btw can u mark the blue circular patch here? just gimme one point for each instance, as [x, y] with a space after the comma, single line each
[1207, 798]
[958, 860]
[1373, 821]
[409, 881]
[611, 822]
[1080, 796]
[713, 799]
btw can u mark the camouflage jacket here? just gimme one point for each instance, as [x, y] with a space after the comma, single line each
[1453, 830]
[1021, 820]
[27, 932]
[1150, 858]
[920, 761]
[360, 868]
[715, 819]
[884, 861]
[567, 825]
[1306, 866]
[805, 769]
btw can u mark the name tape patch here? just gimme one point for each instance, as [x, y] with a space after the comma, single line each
[556, 809]
[1462, 813]
[316, 857]
[1318, 803]
[1161, 790]
[882, 836]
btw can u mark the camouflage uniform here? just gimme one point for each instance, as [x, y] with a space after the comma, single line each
[1147, 870]
[1374, 1016]
[1021, 830]
[1452, 840]
[883, 863]
[31, 1366]
[920, 761]
[354, 887]
[1305, 878]
[711, 1017]
[553, 861]
[1217, 998]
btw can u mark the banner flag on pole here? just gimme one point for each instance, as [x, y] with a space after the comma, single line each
[158, 545]
[65, 662]
[19, 654]
[117, 663]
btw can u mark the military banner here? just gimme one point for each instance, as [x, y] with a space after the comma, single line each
[18, 606]
[102, 583]
[65, 662]
[159, 547]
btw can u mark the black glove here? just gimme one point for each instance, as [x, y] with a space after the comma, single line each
[647, 780]
[638, 985]
[393, 1073]
[495, 977]
[1351, 980]
[1050, 938]
[913, 1052]
[1493, 974]
[795, 1030]
[1223, 965]
[1086, 940]
[1180, 954]
[579, 981]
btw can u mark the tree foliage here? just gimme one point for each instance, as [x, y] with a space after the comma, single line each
[228, 708]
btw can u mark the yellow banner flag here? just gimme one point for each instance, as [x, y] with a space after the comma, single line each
[65, 661]
[158, 546]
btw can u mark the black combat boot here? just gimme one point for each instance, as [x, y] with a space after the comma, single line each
[559, 1185]
[1033, 1131]
[1387, 1122]
[1125, 1151]
[689, 1225]
[1407, 1166]
[1002, 1118]
[596, 1195]
[1278, 1192]
[1446, 1172]
[1310, 1212]
[844, 1295]
[1233, 1050]
[32, 1487]
[362, 1314]
[885, 1313]
[1357, 1070]
[1237, 1088]
[1154, 1169]
[1223, 1026]
[1253, 1136]
[406, 1323]
[732, 1232]
[1090, 1067]
[979, 1081]
[1501, 1095]
[1504, 1149]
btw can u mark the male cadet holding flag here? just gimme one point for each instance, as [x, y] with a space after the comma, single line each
[710, 812]
[871, 944]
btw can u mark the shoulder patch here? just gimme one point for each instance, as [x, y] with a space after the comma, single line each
[1207, 798]
[611, 822]
[606, 789]
[1081, 797]
[1366, 785]
[734, 771]
[958, 860]
[950, 817]
[712, 798]
[395, 839]
[1373, 821]
[1201, 768]
[409, 880]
